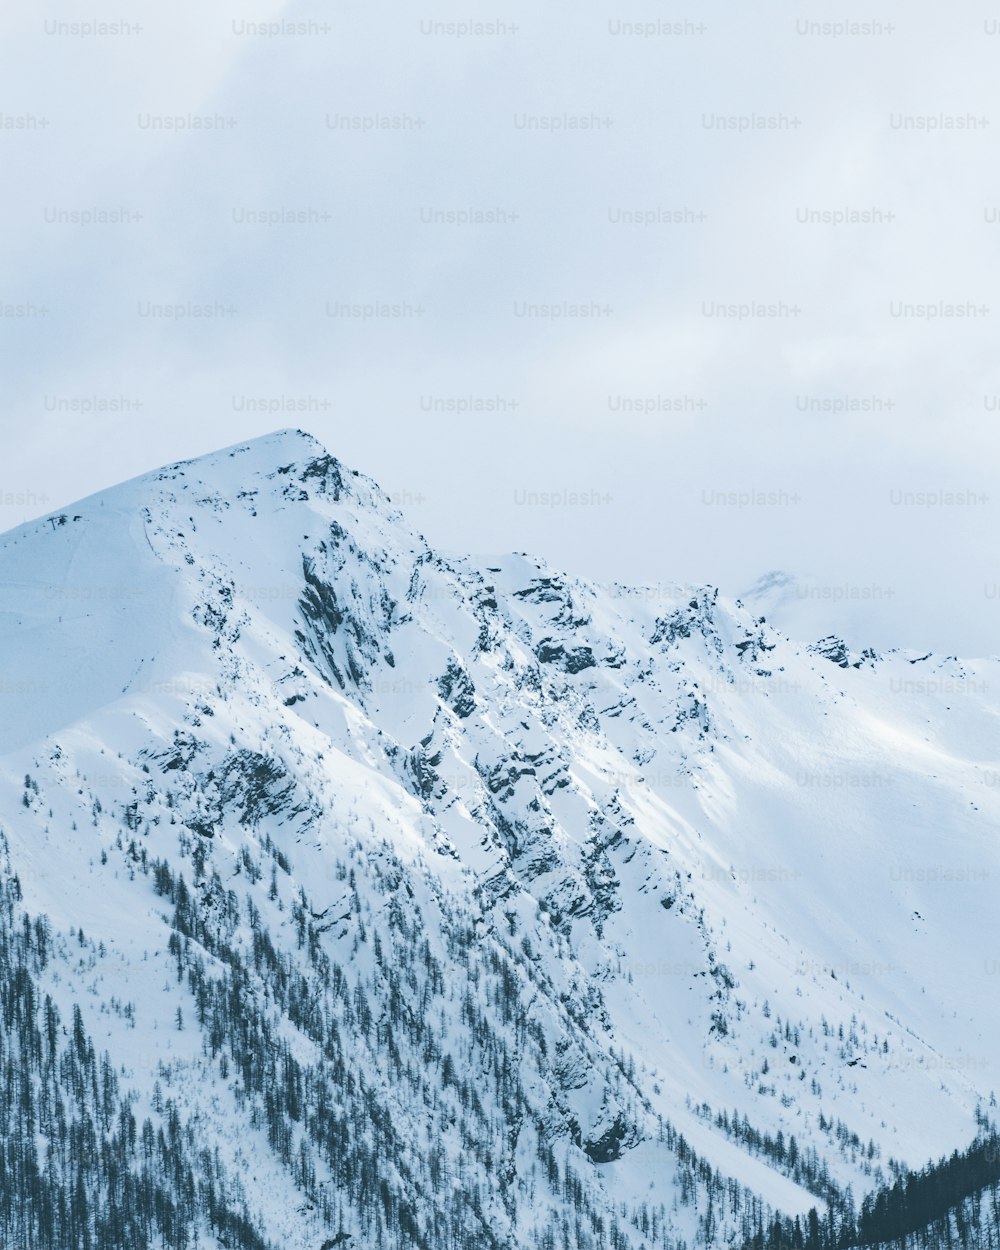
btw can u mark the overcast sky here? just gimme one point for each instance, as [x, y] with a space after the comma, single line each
[387, 218]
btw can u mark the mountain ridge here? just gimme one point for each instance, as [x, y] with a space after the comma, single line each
[662, 827]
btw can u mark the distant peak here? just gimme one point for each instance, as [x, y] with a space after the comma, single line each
[776, 580]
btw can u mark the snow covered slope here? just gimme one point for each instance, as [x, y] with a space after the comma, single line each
[460, 902]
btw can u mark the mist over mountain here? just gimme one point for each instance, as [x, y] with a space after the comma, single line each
[359, 896]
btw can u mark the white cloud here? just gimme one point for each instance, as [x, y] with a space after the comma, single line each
[641, 201]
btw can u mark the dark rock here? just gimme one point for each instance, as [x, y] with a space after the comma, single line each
[608, 1147]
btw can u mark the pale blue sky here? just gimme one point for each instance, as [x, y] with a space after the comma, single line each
[724, 404]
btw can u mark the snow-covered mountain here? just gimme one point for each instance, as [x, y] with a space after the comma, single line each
[433, 902]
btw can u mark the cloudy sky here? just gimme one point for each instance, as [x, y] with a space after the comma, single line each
[660, 293]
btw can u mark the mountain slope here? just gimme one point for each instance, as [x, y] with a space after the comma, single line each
[457, 902]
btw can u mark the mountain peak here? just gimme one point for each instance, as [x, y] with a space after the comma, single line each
[279, 452]
[278, 445]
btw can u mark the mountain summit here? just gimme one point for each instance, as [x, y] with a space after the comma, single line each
[356, 896]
